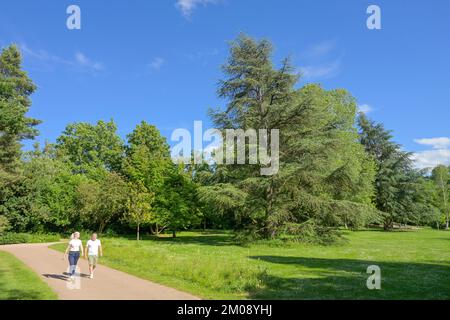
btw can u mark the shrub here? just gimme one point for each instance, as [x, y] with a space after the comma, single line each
[16, 238]
[4, 224]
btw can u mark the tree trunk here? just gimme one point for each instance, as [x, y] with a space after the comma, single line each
[137, 233]
[101, 227]
[174, 234]
[388, 225]
[444, 196]
[269, 231]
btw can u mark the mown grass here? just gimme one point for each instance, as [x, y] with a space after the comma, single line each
[18, 282]
[414, 265]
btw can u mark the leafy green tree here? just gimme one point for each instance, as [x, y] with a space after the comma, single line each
[89, 148]
[422, 209]
[4, 224]
[148, 163]
[147, 157]
[441, 178]
[52, 190]
[179, 208]
[102, 201]
[139, 207]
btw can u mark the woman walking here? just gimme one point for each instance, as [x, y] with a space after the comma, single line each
[74, 250]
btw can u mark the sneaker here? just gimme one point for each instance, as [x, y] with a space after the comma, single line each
[91, 276]
[72, 278]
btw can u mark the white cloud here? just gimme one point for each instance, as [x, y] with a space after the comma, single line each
[436, 143]
[188, 6]
[202, 55]
[432, 158]
[323, 71]
[440, 153]
[85, 62]
[365, 108]
[319, 49]
[47, 62]
[321, 61]
[157, 63]
[41, 55]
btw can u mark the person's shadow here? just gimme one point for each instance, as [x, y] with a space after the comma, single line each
[64, 276]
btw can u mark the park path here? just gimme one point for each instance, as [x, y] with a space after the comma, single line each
[108, 284]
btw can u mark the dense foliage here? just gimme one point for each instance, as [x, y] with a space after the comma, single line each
[337, 168]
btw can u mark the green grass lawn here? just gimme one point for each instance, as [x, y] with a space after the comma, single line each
[414, 265]
[18, 282]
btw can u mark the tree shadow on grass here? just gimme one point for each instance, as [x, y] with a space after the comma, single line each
[317, 278]
[16, 294]
[380, 230]
[207, 239]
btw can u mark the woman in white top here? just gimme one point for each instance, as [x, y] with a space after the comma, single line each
[75, 250]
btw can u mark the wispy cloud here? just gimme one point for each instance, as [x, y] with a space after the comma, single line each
[157, 63]
[202, 57]
[319, 49]
[187, 7]
[83, 61]
[41, 55]
[321, 71]
[365, 108]
[439, 154]
[48, 62]
[320, 61]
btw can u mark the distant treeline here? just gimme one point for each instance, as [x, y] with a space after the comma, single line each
[337, 167]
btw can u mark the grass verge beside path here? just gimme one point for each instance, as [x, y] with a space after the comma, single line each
[18, 282]
[414, 265]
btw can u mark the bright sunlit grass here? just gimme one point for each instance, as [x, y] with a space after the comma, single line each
[414, 265]
[18, 282]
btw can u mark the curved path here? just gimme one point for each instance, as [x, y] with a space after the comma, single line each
[108, 284]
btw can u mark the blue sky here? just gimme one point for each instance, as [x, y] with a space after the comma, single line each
[159, 61]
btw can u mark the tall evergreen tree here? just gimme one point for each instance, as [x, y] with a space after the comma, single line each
[394, 167]
[321, 162]
[15, 126]
[15, 91]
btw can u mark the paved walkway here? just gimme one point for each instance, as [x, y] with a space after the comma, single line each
[108, 284]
